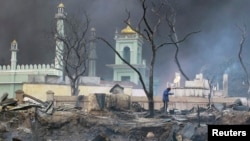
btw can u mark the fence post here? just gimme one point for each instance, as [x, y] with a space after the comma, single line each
[19, 96]
[50, 95]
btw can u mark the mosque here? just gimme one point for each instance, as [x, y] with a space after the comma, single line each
[128, 44]
[36, 79]
[14, 75]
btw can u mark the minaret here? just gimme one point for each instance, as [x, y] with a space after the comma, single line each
[60, 16]
[129, 46]
[92, 54]
[13, 50]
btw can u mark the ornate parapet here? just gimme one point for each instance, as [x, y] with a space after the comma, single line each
[28, 67]
[34, 67]
[5, 67]
[128, 36]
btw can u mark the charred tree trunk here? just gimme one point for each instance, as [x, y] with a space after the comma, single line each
[151, 106]
[178, 63]
[150, 93]
[74, 87]
[243, 38]
[210, 94]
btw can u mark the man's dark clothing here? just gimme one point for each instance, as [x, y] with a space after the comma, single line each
[165, 99]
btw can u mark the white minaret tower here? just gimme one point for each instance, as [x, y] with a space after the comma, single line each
[13, 50]
[60, 16]
[92, 54]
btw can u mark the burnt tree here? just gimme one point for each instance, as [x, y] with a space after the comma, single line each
[171, 20]
[243, 38]
[149, 30]
[72, 48]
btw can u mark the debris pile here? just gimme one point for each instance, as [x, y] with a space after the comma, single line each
[37, 120]
[7, 103]
[11, 104]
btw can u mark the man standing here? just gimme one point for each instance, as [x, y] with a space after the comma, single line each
[165, 98]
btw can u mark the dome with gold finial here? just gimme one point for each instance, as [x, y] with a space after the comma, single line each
[128, 30]
[61, 5]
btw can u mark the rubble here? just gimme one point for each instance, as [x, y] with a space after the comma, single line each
[25, 106]
[39, 120]
[7, 103]
[219, 106]
[188, 130]
[4, 97]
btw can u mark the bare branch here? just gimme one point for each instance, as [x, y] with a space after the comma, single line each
[138, 31]
[174, 38]
[243, 38]
[145, 20]
[74, 52]
[179, 41]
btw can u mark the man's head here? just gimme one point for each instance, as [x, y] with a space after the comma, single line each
[168, 88]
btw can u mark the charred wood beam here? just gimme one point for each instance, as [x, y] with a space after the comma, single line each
[31, 97]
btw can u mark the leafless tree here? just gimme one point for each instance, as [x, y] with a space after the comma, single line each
[148, 29]
[210, 77]
[243, 38]
[171, 20]
[210, 83]
[213, 73]
[74, 54]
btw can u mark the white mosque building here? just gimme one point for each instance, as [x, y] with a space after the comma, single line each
[128, 44]
[14, 75]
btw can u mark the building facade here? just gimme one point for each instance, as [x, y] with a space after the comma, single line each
[14, 75]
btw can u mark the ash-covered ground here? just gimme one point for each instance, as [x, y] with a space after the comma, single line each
[72, 124]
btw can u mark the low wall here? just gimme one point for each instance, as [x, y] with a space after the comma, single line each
[71, 100]
[181, 103]
[85, 101]
[39, 90]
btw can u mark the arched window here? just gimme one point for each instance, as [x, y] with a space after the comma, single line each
[126, 54]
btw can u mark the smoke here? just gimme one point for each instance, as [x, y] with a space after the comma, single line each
[28, 20]
[219, 38]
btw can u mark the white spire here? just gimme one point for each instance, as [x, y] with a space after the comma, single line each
[14, 50]
[60, 16]
[60, 11]
[92, 53]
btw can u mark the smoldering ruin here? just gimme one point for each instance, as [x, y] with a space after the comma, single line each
[37, 104]
[100, 117]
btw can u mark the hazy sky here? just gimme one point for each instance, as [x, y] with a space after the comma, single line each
[28, 21]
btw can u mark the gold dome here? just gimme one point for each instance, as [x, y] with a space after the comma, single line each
[128, 30]
[61, 5]
[14, 42]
